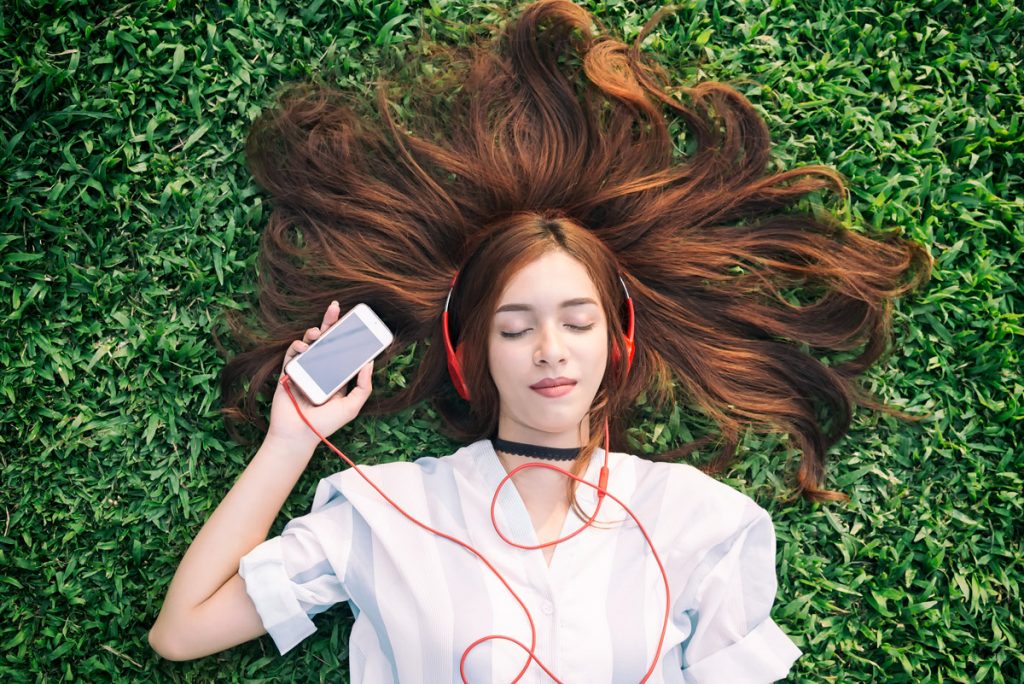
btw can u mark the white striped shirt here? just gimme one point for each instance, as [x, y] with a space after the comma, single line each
[419, 600]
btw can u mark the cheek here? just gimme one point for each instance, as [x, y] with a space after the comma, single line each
[495, 354]
[502, 363]
[601, 345]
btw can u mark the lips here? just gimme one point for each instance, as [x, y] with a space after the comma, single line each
[556, 391]
[552, 382]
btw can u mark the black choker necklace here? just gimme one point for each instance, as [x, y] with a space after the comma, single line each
[535, 451]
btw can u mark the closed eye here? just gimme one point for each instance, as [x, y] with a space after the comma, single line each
[579, 328]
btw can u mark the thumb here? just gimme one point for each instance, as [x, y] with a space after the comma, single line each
[363, 382]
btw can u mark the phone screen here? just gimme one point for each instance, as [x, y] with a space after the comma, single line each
[340, 354]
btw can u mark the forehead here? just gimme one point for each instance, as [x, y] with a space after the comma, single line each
[549, 280]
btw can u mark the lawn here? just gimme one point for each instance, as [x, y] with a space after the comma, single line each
[130, 222]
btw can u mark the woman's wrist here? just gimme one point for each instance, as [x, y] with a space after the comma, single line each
[292, 447]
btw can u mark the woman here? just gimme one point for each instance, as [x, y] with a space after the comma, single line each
[554, 182]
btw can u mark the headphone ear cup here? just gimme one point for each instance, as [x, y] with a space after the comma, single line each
[617, 356]
[455, 371]
[630, 322]
[454, 357]
[630, 349]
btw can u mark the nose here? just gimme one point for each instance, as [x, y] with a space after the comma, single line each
[551, 347]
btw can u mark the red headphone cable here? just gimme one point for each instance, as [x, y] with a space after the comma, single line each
[601, 492]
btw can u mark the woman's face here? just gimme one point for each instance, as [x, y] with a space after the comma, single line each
[549, 324]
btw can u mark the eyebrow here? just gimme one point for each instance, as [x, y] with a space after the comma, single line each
[579, 301]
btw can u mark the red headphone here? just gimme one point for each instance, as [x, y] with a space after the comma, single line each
[455, 355]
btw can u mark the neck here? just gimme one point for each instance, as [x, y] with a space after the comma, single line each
[529, 451]
[515, 431]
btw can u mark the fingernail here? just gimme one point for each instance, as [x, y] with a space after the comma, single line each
[334, 303]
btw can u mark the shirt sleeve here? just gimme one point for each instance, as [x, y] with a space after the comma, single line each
[734, 638]
[300, 573]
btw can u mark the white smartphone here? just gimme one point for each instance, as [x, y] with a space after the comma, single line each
[337, 355]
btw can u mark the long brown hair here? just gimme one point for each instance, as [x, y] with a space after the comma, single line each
[554, 134]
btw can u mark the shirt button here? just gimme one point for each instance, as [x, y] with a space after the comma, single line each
[548, 608]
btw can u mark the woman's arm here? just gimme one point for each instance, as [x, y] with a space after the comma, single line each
[206, 609]
[239, 524]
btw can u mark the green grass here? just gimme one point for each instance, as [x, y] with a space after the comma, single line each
[129, 220]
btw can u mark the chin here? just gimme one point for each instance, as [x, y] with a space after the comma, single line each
[558, 423]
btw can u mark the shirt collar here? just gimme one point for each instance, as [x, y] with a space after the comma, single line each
[492, 471]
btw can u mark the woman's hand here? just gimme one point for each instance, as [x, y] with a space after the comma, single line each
[336, 412]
